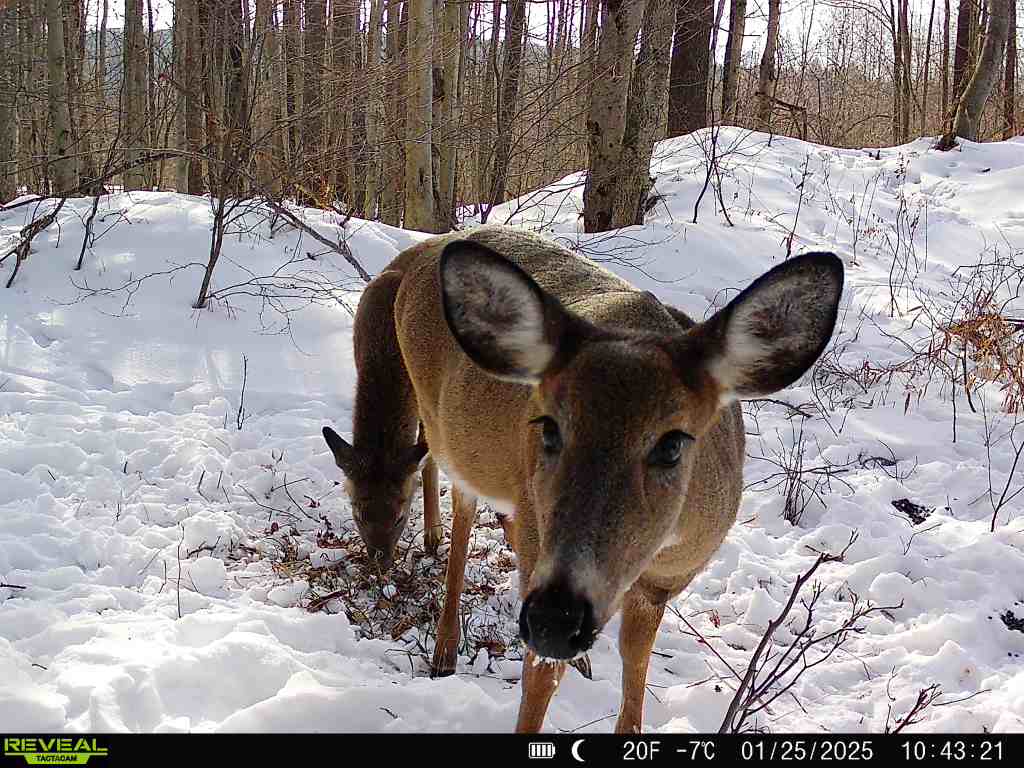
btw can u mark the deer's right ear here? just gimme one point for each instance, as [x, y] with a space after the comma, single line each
[344, 454]
[503, 320]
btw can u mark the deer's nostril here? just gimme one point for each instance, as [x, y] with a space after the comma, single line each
[557, 623]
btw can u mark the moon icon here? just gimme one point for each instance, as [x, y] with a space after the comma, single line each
[576, 750]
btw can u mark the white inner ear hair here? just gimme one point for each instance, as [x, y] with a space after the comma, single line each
[762, 326]
[516, 317]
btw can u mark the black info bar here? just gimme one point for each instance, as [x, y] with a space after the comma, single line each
[491, 750]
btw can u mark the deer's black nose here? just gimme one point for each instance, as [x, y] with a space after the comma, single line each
[556, 622]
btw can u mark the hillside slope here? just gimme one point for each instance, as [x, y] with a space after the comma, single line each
[180, 558]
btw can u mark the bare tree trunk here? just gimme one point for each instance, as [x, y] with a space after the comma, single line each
[766, 72]
[265, 49]
[967, 122]
[896, 28]
[488, 117]
[945, 61]
[374, 109]
[33, 172]
[180, 43]
[908, 96]
[419, 181]
[927, 67]
[62, 166]
[236, 142]
[134, 98]
[316, 163]
[648, 100]
[691, 67]
[293, 90]
[350, 97]
[446, 105]
[620, 21]
[508, 96]
[394, 136]
[149, 44]
[74, 28]
[962, 47]
[192, 79]
[733, 55]
[100, 69]
[591, 15]
[1010, 81]
[8, 104]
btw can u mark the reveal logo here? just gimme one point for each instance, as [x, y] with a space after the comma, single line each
[53, 751]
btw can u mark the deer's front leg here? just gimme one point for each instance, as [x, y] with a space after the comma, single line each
[446, 650]
[640, 622]
[540, 679]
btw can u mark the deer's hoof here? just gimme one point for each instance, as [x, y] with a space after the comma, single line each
[432, 537]
[445, 657]
[582, 665]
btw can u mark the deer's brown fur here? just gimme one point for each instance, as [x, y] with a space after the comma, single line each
[607, 421]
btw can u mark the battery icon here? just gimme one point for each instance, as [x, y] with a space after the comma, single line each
[542, 750]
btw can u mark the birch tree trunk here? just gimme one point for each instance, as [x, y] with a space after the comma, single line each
[967, 122]
[690, 72]
[419, 181]
[648, 101]
[766, 72]
[63, 171]
[606, 126]
[733, 54]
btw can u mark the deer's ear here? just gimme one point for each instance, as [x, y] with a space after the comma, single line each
[503, 320]
[344, 454]
[769, 335]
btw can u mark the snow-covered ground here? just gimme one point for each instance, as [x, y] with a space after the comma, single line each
[170, 570]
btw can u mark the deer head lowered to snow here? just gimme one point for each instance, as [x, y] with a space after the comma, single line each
[605, 419]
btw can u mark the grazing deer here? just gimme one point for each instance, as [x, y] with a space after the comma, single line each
[606, 420]
[381, 463]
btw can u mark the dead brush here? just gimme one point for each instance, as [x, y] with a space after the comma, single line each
[992, 341]
[403, 604]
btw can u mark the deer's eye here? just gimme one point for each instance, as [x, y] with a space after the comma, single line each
[669, 449]
[550, 437]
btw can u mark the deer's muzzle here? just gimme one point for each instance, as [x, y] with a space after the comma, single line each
[556, 622]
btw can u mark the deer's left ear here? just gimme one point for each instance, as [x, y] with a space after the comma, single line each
[503, 320]
[768, 336]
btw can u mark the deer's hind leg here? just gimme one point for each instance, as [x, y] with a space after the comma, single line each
[432, 530]
[446, 649]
